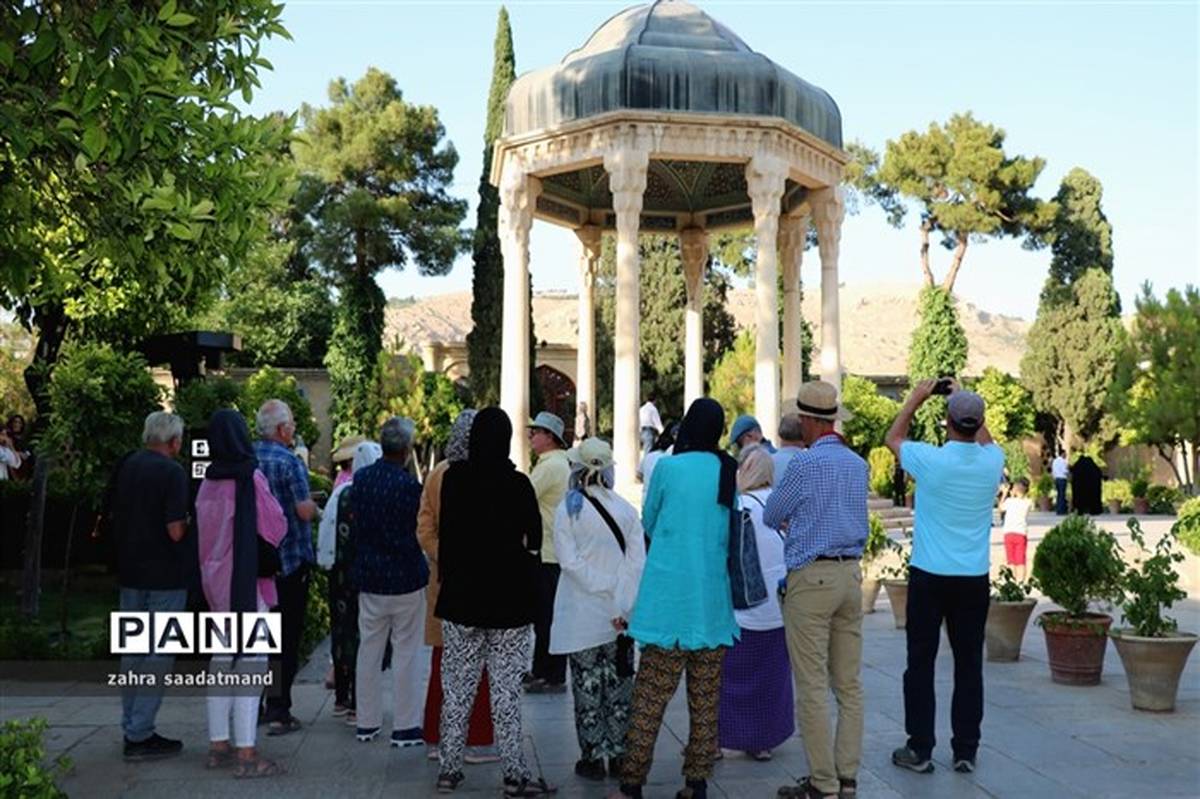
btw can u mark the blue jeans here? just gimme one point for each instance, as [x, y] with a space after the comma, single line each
[1060, 505]
[649, 436]
[140, 703]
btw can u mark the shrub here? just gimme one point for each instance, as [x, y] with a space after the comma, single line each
[1016, 462]
[1189, 525]
[877, 538]
[197, 400]
[1006, 588]
[318, 482]
[23, 771]
[1077, 563]
[1152, 585]
[1163, 499]
[873, 414]
[316, 618]
[1140, 486]
[1042, 487]
[1117, 490]
[883, 467]
[270, 383]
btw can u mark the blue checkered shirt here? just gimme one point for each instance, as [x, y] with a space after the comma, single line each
[821, 503]
[288, 479]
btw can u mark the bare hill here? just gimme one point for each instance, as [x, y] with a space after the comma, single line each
[877, 323]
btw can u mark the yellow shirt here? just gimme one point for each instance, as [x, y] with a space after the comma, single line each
[549, 478]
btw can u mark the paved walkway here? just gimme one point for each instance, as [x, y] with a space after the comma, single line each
[1040, 740]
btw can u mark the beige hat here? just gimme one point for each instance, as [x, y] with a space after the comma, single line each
[819, 400]
[345, 450]
[593, 453]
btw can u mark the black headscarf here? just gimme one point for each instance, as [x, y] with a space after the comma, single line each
[701, 432]
[491, 435]
[233, 459]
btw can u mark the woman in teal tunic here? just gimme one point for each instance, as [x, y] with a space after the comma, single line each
[683, 617]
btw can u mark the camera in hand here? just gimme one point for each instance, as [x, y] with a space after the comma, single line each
[944, 386]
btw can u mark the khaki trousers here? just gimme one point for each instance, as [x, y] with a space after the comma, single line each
[822, 615]
[400, 618]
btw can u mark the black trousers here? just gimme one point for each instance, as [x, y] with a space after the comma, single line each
[963, 603]
[551, 668]
[292, 607]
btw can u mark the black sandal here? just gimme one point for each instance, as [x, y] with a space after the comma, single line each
[528, 787]
[284, 726]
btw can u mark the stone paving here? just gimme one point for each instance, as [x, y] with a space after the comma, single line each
[1039, 740]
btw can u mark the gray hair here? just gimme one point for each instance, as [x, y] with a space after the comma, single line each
[162, 428]
[271, 414]
[790, 428]
[397, 435]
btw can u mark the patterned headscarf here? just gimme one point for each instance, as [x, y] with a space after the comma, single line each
[581, 477]
[458, 446]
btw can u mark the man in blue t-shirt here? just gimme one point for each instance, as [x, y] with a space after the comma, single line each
[948, 574]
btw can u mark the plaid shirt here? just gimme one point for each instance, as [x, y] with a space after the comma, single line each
[821, 503]
[289, 483]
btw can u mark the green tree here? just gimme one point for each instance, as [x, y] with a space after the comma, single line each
[403, 387]
[1155, 397]
[270, 383]
[128, 179]
[873, 414]
[1071, 360]
[1010, 414]
[938, 348]
[487, 282]
[731, 381]
[663, 302]
[1081, 237]
[197, 400]
[386, 170]
[965, 186]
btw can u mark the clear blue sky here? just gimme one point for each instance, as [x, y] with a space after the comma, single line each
[1111, 87]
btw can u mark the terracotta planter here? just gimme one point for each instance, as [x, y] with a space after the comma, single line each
[1114, 506]
[1044, 504]
[1141, 506]
[1006, 622]
[1153, 666]
[870, 593]
[1076, 647]
[909, 500]
[897, 591]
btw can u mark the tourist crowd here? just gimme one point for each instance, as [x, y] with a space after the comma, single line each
[742, 572]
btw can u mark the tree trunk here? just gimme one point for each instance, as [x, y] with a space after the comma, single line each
[1168, 455]
[31, 579]
[956, 264]
[64, 615]
[51, 324]
[925, 228]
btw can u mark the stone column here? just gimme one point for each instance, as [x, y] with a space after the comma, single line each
[765, 176]
[829, 209]
[626, 167]
[585, 383]
[792, 231]
[693, 246]
[518, 196]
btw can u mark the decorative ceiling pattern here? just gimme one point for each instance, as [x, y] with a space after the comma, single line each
[671, 186]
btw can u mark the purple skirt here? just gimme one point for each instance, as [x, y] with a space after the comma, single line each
[757, 711]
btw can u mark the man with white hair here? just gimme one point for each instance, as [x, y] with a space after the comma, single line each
[148, 507]
[391, 573]
[288, 479]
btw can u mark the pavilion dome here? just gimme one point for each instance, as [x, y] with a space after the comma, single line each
[667, 56]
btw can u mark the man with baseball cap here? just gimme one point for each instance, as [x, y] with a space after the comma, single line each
[948, 573]
[549, 477]
[820, 505]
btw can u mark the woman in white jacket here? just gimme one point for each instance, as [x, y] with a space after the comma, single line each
[600, 547]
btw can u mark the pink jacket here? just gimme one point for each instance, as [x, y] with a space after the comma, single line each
[214, 520]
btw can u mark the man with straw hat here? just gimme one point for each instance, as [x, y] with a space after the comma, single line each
[820, 504]
[549, 478]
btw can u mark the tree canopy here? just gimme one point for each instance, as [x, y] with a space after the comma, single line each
[1155, 397]
[938, 348]
[965, 186]
[1010, 414]
[128, 179]
[1081, 236]
[385, 171]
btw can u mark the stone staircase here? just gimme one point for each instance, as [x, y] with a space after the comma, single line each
[896, 521]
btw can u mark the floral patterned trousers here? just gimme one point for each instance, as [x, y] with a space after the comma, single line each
[602, 700]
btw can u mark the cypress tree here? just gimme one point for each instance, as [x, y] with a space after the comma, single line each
[487, 285]
[939, 347]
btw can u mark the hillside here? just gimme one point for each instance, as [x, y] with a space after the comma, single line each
[877, 323]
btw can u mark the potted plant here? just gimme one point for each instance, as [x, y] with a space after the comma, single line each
[1152, 649]
[1117, 494]
[877, 544]
[1140, 488]
[1075, 564]
[1008, 615]
[1043, 491]
[895, 582]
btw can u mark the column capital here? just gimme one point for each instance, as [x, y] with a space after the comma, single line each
[589, 257]
[693, 247]
[765, 178]
[792, 230]
[626, 168]
[828, 206]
